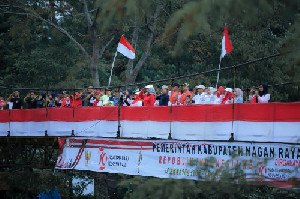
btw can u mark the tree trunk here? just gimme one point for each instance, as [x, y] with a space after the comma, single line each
[129, 67]
[94, 71]
[132, 72]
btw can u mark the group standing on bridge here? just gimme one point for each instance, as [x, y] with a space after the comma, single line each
[147, 96]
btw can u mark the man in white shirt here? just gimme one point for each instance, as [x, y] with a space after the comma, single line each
[200, 97]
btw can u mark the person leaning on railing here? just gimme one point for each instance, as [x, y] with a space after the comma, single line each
[175, 94]
[164, 97]
[15, 100]
[259, 96]
[2, 103]
[148, 95]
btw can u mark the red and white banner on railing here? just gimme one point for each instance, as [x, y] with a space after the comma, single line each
[273, 122]
[277, 163]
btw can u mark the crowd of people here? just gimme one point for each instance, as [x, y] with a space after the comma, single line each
[147, 96]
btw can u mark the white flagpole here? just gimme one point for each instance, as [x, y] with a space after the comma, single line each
[218, 72]
[112, 66]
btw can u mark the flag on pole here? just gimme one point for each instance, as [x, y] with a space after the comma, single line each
[226, 44]
[226, 48]
[125, 48]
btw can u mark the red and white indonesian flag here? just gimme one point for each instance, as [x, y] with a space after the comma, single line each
[226, 44]
[125, 48]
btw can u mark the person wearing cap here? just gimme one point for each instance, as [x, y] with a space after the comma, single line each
[149, 96]
[164, 97]
[200, 96]
[185, 93]
[76, 100]
[175, 94]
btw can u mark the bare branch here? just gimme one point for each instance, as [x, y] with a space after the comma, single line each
[96, 16]
[86, 14]
[105, 46]
[149, 42]
[62, 30]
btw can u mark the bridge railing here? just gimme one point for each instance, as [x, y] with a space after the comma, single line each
[273, 122]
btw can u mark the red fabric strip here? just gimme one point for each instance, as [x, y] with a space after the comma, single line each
[28, 115]
[126, 44]
[271, 112]
[113, 142]
[4, 116]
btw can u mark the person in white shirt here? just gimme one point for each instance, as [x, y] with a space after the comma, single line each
[200, 97]
[208, 95]
[262, 96]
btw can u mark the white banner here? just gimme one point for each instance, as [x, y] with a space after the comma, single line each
[181, 159]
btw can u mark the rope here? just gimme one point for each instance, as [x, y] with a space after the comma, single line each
[162, 80]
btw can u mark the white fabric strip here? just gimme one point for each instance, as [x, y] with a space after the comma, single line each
[125, 51]
[243, 131]
[4, 127]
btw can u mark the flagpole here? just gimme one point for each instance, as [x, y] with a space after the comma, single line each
[112, 66]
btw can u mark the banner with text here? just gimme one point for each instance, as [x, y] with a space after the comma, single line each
[271, 162]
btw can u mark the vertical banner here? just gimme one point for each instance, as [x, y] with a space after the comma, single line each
[181, 159]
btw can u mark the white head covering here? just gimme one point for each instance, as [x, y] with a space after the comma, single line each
[149, 86]
[200, 86]
[212, 89]
[151, 90]
[228, 89]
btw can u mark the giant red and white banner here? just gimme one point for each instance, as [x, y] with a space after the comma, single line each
[273, 163]
[273, 122]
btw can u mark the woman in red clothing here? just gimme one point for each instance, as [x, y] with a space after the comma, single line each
[149, 96]
[76, 101]
[175, 94]
[185, 93]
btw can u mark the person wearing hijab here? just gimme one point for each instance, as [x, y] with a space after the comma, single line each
[262, 95]
[238, 95]
[227, 99]
[149, 96]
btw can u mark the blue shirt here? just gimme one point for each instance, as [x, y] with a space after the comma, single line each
[163, 100]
